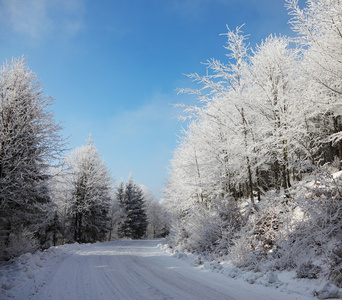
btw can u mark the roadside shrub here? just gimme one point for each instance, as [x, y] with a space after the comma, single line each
[308, 270]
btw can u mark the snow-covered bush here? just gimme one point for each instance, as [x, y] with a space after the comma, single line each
[23, 241]
[302, 234]
[308, 270]
[321, 226]
[230, 221]
[178, 237]
[258, 240]
[241, 250]
[208, 230]
[335, 259]
[204, 230]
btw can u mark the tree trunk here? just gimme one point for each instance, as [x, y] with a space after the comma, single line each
[339, 144]
[276, 175]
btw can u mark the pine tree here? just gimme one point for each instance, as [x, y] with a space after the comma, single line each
[90, 184]
[135, 222]
[29, 142]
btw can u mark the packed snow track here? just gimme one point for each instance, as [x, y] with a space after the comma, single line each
[138, 269]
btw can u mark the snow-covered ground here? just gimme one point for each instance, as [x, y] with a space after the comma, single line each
[283, 281]
[131, 269]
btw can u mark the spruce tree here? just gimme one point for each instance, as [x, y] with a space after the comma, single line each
[120, 193]
[120, 198]
[135, 222]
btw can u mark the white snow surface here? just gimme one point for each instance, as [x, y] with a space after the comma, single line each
[133, 269]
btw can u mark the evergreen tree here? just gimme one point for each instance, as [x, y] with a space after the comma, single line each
[120, 198]
[29, 142]
[120, 193]
[135, 222]
[90, 184]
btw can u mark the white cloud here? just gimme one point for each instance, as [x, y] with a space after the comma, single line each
[40, 18]
[26, 17]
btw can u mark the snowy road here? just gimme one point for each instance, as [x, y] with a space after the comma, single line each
[138, 269]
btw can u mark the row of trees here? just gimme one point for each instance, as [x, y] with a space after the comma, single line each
[265, 120]
[91, 209]
[47, 198]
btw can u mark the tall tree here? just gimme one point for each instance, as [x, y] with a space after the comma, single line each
[277, 109]
[225, 100]
[135, 222]
[29, 142]
[90, 183]
[116, 212]
[60, 195]
[156, 215]
[319, 31]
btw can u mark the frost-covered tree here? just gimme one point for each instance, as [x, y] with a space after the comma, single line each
[318, 27]
[280, 124]
[90, 194]
[156, 215]
[267, 119]
[29, 143]
[225, 102]
[215, 161]
[135, 220]
[60, 195]
[116, 212]
[184, 187]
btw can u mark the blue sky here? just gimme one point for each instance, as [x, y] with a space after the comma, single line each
[113, 66]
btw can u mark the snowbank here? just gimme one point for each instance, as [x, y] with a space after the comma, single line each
[285, 281]
[23, 276]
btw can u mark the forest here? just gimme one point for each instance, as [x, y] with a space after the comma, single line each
[256, 178]
[50, 198]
